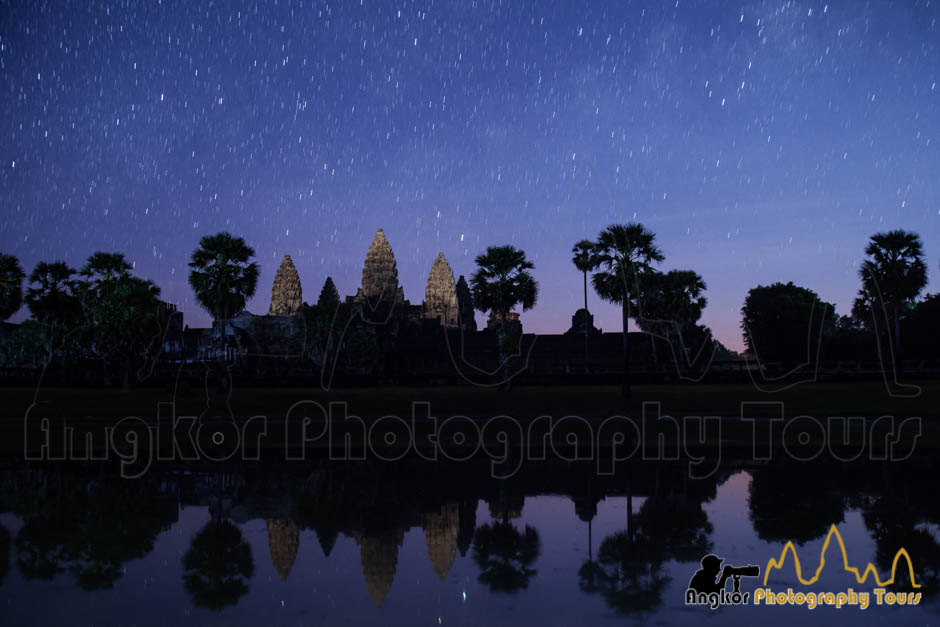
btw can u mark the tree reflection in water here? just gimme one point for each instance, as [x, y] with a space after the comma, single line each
[671, 525]
[88, 525]
[794, 501]
[505, 555]
[632, 579]
[217, 566]
[90, 528]
[906, 514]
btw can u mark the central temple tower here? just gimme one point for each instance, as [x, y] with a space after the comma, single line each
[380, 273]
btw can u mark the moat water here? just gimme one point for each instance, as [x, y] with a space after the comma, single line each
[355, 545]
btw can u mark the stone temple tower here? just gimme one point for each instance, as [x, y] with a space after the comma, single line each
[380, 273]
[286, 295]
[440, 295]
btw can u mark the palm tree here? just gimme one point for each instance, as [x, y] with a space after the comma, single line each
[11, 286]
[584, 259]
[222, 275]
[53, 297]
[893, 273]
[625, 254]
[54, 302]
[101, 272]
[501, 282]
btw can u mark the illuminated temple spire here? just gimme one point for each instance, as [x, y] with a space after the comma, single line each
[380, 272]
[286, 295]
[379, 562]
[283, 542]
[440, 295]
[440, 535]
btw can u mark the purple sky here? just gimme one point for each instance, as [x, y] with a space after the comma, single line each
[760, 141]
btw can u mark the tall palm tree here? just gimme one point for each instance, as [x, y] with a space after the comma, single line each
[11, 286]
[584, 259]
[222, 275]
[53, 296]
[625, 254]
[223, 278]
[893, 273]
[101, 272]
[503, 281]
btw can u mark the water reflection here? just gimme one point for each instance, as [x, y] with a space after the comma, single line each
[87, 526]
[905, 512]
[218, 566]
[795, 501]
[4, 552]
[670, 525]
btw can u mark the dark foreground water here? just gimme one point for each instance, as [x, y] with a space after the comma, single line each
[351, 545]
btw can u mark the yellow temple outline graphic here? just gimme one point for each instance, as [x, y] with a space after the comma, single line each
[778, 563]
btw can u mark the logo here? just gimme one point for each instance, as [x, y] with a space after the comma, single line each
[708, 585]
[844, 598]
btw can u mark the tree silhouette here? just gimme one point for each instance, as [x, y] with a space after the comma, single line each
[793, 502]
[465, 305]
[784, 322]
[120, 523]
[217, 566]
[503, 281]
[677, 526]
[671, 525]
[52, 297]
[505, 555]
[672, 304]
[904, 514]
[625, 254]
[123, 310]
[631, 577]
[329, 295]
[893, 274]
[585, 260]
[89, 529]
[54, 302]
[222, 276]
[40, 547]
[590, 574]
[101, 272]
[11, 286]
[921, 323]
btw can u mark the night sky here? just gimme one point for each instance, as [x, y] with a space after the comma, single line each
[760, 141]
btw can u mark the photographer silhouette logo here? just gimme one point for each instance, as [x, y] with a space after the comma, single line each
[708, 585]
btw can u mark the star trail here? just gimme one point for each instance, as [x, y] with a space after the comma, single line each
[760, 141]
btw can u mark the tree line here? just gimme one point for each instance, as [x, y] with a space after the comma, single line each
[104, 309]
[780, 322]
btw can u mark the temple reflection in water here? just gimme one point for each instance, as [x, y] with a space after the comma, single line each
[87, 526]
